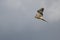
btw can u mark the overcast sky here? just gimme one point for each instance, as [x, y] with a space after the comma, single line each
[17, 20]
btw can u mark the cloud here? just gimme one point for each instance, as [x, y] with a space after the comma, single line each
[22, 12]
[17, 20]
[52, 8]
[53, 12]
[14, 3]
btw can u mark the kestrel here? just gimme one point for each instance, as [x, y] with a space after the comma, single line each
[39, 14]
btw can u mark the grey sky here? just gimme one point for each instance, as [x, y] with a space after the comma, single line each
[17, 20]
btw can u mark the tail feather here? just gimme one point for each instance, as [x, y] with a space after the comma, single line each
[44, 20]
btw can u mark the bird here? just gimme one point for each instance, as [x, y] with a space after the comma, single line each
[39, 14]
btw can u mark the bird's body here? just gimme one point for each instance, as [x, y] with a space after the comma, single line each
[39, 14]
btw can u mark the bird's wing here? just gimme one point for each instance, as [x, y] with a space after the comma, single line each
[40, 11]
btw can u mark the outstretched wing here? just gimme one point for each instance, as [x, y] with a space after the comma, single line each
[40, 11]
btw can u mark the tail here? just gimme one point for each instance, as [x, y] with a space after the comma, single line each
[44, 20]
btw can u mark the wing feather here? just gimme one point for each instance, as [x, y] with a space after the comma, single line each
[40, 11]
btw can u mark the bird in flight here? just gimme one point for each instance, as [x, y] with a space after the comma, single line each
[39, 14]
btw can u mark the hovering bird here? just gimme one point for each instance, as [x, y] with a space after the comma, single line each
[39, 14]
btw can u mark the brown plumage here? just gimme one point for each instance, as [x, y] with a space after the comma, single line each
[39, 14]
